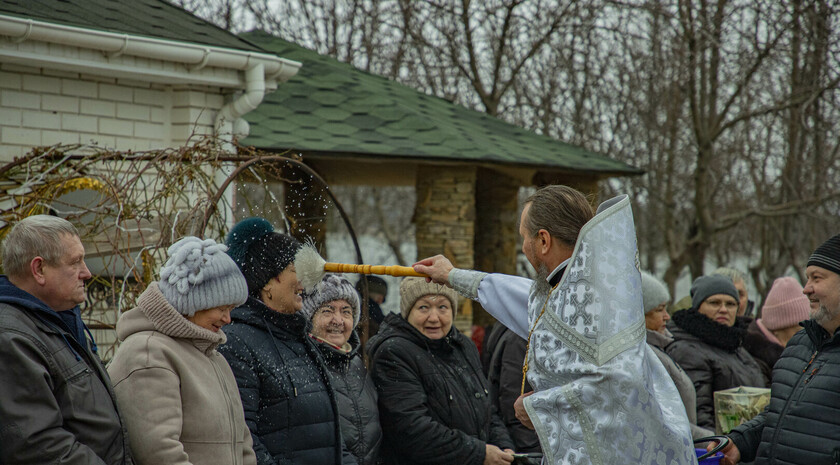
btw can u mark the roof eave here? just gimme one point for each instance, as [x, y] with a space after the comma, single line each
[600, 173]
[192, 57]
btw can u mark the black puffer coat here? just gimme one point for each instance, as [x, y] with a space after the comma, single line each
[712, 356]
[802, 422]
[356, 398]
[433, 397]
[285, 390]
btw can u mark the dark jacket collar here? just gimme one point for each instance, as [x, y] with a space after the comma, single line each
[818, 335]
[13, 295]
[336, 357]
[709, 331]
[256, 313]
[395, 325]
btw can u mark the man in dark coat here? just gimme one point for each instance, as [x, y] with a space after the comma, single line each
[56, 400]
[802, 422]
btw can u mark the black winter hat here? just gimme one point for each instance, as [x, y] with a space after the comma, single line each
[827, 255]
[375, 285]
[706, 286]
[260, 252]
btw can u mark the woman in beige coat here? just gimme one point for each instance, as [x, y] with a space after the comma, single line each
[177, 394]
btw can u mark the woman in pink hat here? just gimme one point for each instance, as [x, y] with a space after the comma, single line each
[783, 309]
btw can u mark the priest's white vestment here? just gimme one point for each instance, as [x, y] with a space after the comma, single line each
[601, 396]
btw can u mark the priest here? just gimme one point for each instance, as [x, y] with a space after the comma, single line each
[600, 395]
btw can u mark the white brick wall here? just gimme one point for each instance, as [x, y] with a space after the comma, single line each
[47, 107]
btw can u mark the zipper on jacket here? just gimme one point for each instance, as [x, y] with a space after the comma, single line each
[836, 456]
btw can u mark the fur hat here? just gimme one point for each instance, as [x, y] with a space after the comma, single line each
[654, 292]
[785, 305]
[827, 255]
[706, 286]
[412, 288]
[199, 275]
[260, 252]
[332, 287]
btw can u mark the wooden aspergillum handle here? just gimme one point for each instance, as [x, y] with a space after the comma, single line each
[393, 270]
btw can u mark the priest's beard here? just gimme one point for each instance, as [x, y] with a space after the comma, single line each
[541, 285]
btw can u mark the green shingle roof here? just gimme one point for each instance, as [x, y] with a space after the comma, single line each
[332, 108]
[150, 18]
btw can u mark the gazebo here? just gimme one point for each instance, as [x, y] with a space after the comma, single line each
[354, 127]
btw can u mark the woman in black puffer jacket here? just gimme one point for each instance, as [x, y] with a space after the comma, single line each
[707, 344]
[433, 397]
[333, 308]
[283, 383]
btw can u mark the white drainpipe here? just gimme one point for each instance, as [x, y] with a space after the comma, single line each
[228, 120]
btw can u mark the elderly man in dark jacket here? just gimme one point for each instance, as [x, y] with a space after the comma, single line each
[57, 403]
[802, 422]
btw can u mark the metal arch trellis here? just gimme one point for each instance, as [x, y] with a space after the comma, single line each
[137, 190]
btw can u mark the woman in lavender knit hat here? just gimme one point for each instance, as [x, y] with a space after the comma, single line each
[178, 396]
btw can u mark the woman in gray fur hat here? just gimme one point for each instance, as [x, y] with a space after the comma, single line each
[333, 309]
[177, 394]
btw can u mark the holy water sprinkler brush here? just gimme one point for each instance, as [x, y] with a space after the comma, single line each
[310, 268]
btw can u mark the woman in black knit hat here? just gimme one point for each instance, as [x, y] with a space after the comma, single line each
[708, 344]
[289, 405]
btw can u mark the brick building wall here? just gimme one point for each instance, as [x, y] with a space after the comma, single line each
[46, 107]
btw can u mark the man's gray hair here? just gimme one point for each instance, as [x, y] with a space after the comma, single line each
[35, 236]
[560, 210]
[731, 273]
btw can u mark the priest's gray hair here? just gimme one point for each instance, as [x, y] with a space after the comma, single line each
[35, 236]
[560, 210]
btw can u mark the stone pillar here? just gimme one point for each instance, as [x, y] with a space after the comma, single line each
[496, 233]
[445, 220]
[306, 208]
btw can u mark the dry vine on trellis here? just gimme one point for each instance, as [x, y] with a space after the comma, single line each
[130, 207]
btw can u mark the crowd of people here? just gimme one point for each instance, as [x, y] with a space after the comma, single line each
[226, 360]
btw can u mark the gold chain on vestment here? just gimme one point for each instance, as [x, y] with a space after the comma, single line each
[528, 345]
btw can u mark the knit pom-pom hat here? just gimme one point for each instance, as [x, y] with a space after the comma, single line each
[332, 287]
[412, 288]
[786, 305]
[260, 252]
[827, 255]
[199, 276]
[654, 292]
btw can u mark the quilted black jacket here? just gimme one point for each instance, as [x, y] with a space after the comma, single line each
[356, 398]
[802, 423]
[289, 404]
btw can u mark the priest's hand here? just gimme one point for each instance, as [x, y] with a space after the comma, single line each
[521, 413]
[731, 454]
[495, 456]
[437, 267]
